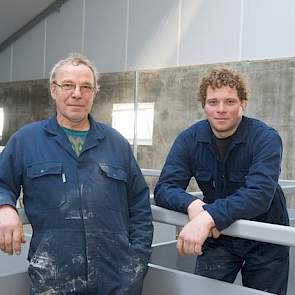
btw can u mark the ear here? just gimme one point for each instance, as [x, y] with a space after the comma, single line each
[53, 91]
[244, 105]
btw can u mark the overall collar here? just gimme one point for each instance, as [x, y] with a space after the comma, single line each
[206, 135]
[95, 134]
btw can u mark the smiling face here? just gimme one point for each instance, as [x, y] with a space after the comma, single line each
[224, 110]
[73, 106]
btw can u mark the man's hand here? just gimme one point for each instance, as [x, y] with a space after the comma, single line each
[195, 208]
[11, 230]
[214, 233]
[194, 234]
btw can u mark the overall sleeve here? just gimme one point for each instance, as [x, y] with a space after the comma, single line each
[140, 215]
[10, 173]
[261, 182]
[170, 191]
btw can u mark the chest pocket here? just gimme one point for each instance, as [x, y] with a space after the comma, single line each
[113, 186]
[236, 180]
[113, 173]
[204, 179]
[112, 204]
[45, 184]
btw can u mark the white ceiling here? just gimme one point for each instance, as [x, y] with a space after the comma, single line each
[14, 14]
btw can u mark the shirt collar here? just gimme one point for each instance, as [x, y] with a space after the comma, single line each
[96, 129]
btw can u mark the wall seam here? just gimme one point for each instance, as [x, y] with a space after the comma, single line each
[83, 26]
[44, 48]
[11, 63]
[179, 32]
[135, 101]
[241, 30]
[126, 36]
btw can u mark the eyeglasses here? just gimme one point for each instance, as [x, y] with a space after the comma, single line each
[70, 87]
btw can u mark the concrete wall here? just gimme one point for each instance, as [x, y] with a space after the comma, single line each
[124, 35]
[24, 102]
[174, 91]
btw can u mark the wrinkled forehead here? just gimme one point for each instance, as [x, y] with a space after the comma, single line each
[72, 70]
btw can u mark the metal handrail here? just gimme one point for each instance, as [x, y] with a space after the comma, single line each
[259, 231]
[252, 230]
[288, 186]
[150, 172]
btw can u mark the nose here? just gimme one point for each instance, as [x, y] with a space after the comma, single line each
[221, 107]
[77, 92]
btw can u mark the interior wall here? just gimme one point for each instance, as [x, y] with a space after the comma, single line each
[174, 92]
[24, 102]
[125, 35]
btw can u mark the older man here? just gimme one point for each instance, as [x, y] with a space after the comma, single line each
[84, 195]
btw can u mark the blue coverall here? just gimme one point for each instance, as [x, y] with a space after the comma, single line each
[91, 216]
[242, 186]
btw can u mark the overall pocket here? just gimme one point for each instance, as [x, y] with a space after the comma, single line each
[205, 182]
[108, 199]
[236, 180]
[45, 184]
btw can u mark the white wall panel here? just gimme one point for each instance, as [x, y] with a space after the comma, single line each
[268, 29]
[28, 53]
[210, 31]
[5, 65]
[155, 33]
[152, 39]
[105, 33]
[64, 32]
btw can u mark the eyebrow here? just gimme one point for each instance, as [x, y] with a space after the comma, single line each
[71, 82]
[209, 98]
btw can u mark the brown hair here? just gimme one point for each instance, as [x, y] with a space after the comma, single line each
[219, 77]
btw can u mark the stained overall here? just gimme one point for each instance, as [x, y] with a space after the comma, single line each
[91, 217]
[242, 186]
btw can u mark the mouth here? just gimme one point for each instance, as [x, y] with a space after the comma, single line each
[221, 119]
[75, 106]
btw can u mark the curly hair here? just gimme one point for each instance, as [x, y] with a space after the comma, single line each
[219, 77]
